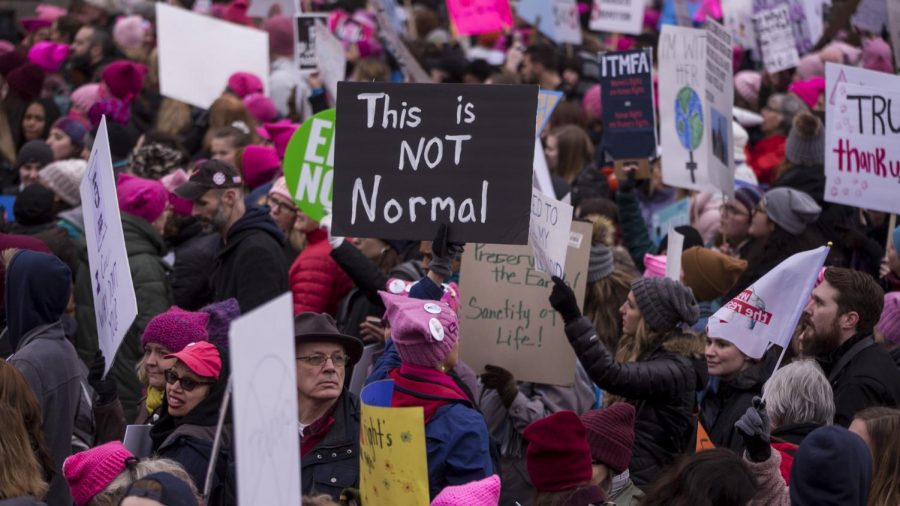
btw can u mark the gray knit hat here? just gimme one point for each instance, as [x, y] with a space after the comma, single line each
[64, 178]
[806, 141]
[600, 264]
[790, 209]
[665, 303]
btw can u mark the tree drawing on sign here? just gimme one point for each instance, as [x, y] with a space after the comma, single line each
[689, 124]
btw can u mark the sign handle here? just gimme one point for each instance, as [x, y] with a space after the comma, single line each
[217, 442]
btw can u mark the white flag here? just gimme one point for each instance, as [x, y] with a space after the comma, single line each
[769, 309]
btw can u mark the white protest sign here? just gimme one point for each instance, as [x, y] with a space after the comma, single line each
[198, 53]
[541, 178]
[305, 38]
[738, 16]
[332, 61]
[551, 221]
[776, 39]
[862, 144]
[617, 16]
[261, 8]
[557, 19]
[115, 305]
[264, 376]
[674, 249]
[719, 102]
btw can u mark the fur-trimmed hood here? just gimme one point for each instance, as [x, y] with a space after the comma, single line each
[689, 344]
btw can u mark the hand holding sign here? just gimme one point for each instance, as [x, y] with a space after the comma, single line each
[562, 299]
[444, 253]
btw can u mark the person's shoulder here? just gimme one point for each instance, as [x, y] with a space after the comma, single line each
[459, 417]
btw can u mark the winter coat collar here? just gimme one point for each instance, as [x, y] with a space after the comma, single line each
[255, 220]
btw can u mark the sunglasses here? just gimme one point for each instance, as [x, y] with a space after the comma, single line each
[187, 384]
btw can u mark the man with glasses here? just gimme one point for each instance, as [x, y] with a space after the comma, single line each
[284, 212]
[328, 414]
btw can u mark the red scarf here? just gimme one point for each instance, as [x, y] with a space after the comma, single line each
[315, 432]
[426, 387]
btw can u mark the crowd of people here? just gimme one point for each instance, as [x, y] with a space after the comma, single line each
[213, 231]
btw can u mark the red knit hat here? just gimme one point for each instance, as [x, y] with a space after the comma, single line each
[90, 471]
[124, 79]
[558, 455]
[610, 434]
[176, 328]
[27, 81]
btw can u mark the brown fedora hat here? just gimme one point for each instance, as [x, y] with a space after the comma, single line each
[320, 327]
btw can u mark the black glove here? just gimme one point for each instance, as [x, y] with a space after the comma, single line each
[502, 381]
[105, 388]
[444, 253]
[562, 299]
[754, 428]
[628, 184]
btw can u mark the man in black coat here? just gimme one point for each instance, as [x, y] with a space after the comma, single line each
[250, 265]
[840, 316]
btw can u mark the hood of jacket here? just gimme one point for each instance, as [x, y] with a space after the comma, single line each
[691, 346]
[37, 292]
[141, 238]
[74, 216]
[255, 219]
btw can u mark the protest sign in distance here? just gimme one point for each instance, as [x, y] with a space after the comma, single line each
[305, 37]
[505, 314]
[776, 39]
[551, 221]
[471, 17]
[115, 305]
[393, 468]
[617, 16]
[557, 19]
[862, 138]
[190, 46]
[264, 379]
[411, 156]
[309, 164]
[629, 118]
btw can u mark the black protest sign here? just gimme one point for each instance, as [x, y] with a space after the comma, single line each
[411, 156]
[306, 40]
[626, 83]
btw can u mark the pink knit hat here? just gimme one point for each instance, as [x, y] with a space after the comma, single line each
[746, 84]
[129, 31]
[809, 90]
[124, 78]
[876, 55]
[261, 164]
[236, 12]
[279, 187]
[424, 331]
[174, 180]
[810, 65]
[144, 198]
[889, 324]
[176, 328]
[402, 287]
[244, 83]
[260, 107]
[485, 492]
[592, 103]
[841, 52]
[654, 266]
[87, 95]
[280, 132]
[91, 471]
[281, 35]
[48, 55]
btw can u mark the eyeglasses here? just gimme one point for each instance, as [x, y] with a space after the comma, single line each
[318, 359]
[731, 210]
[284, 207]
[187, 384]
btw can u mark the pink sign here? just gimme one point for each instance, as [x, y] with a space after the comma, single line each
[480, 16]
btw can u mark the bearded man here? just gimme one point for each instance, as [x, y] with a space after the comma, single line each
[839, 319]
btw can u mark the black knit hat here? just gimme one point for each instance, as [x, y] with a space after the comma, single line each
[36, 151]
[665, 303]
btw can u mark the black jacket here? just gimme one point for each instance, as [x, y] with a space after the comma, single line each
[662, 385]
[333, 464]
[250, 265]
[862, 374]
[723, 405]
[195, 261]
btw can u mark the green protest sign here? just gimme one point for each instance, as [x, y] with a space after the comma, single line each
[309, 164]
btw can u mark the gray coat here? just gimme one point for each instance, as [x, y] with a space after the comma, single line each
[51, 367]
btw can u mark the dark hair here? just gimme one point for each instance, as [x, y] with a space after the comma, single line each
[857, 292]
[542, 54]
[599, 205]
[716, 477]
[68, 26]
[101, 37]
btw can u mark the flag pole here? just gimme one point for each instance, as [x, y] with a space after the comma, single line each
[217, 442]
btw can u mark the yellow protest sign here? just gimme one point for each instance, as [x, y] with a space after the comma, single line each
[393, 469]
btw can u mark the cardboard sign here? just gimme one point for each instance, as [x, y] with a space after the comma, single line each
[617, 16]
[547, 102]
[862, 149]
[671, 216]
[629, 118]
[115, 305]
[551, 221]
[719, 102]
[557, 19]
[411, 156]
[505, 314]
[262, 8]
[871, 15]
[331, 58]
[776, 39]
[411, 68]
[640, 166]
[192, 45]
[471, 17]
[393, 468]
[309, 164]
[305, 33]
[264, 379]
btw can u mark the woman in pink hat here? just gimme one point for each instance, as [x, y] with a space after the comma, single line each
[195, 388]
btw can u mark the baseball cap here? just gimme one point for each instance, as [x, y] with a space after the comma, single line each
[202, 358]
[210, 175]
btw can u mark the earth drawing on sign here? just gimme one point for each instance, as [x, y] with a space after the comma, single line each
[689, 124]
